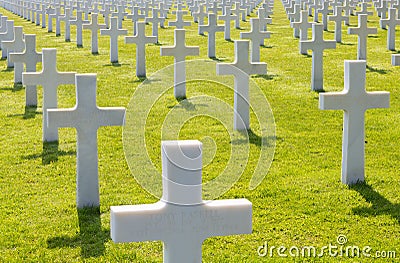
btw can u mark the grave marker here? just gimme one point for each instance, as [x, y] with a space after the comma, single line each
[87, 118]
[179, 51]
[181, 214]
[79, 22]
[94, 27]
[257, 38]
[241, 69]
[16, 45]
[140, 39]
[49, 78]
[317, 45]
[391, 22]
[303, 25]
[113, 32]
[30, 58]
[354, 100]
[211, 28]
[362, 31]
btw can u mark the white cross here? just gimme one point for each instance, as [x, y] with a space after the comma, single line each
[30, 58]
[325, 11]
[227, 17]
[66, 18]
[140, 39]
[354, 100]
[113, 32]
[179, 51]
[317, 45]
[257, 37]
[49, 78]
[79, 22]
[106, 14]
[120, 14]
[50, 11]
[135, 17]
[86, 117]
[382, 10]
[338, 18]
[239, 12]
[198, 17]
[264, 19]
[155, 19]
[8, 35]
[303, 25]
[362, 31]
[241, 69]
[181, 219]
[211, 28]
[391, 22]
[179, 23]
[16, 45]
[295, 17]
[364, 10]
[94, 27]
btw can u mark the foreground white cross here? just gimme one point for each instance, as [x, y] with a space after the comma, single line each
[86, 117]
[354, 100]
[241, 69]
[181, 219]
[179, 51]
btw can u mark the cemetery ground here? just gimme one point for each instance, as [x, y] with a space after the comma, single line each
[301, 201]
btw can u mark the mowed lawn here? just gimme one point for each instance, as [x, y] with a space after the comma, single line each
[300, 203]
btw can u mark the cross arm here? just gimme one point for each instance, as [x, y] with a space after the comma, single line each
[333, 100]
[32, 78]
[133, 223]
[65, 78]
[378, 99]
[62, 118]
[229, 217]
[112, 116]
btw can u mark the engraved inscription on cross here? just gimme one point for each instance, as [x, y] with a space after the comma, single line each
[181, 219]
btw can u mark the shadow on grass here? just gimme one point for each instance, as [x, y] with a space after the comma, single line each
[264, 46]
[380, 205]
[16, 87]
[91, 236]
[114, 64]
[346, 44]
[30, 113]
[255, 139]
[50, 153]
[218, 59]
[8, 69]
[376, 70]
[264, 76]
[186, 104]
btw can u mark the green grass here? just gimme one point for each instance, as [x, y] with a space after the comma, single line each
[301, 201]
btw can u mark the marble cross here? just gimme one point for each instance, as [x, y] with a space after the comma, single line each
[87, 118]
[227, 17]
[181, 214]
[179, 51]
[317, 45]
[362, 31]
[257, 38]
[241, 69]
[391, 22]
[8, 35]
[338, 18]
[49, 78]
[30, 58]
[94, 27]
[303, 25]
[15, 45]
[79, 22]
[113, 32]
[211, 28]
[354, 100]
[140, 39]
[179, 23]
